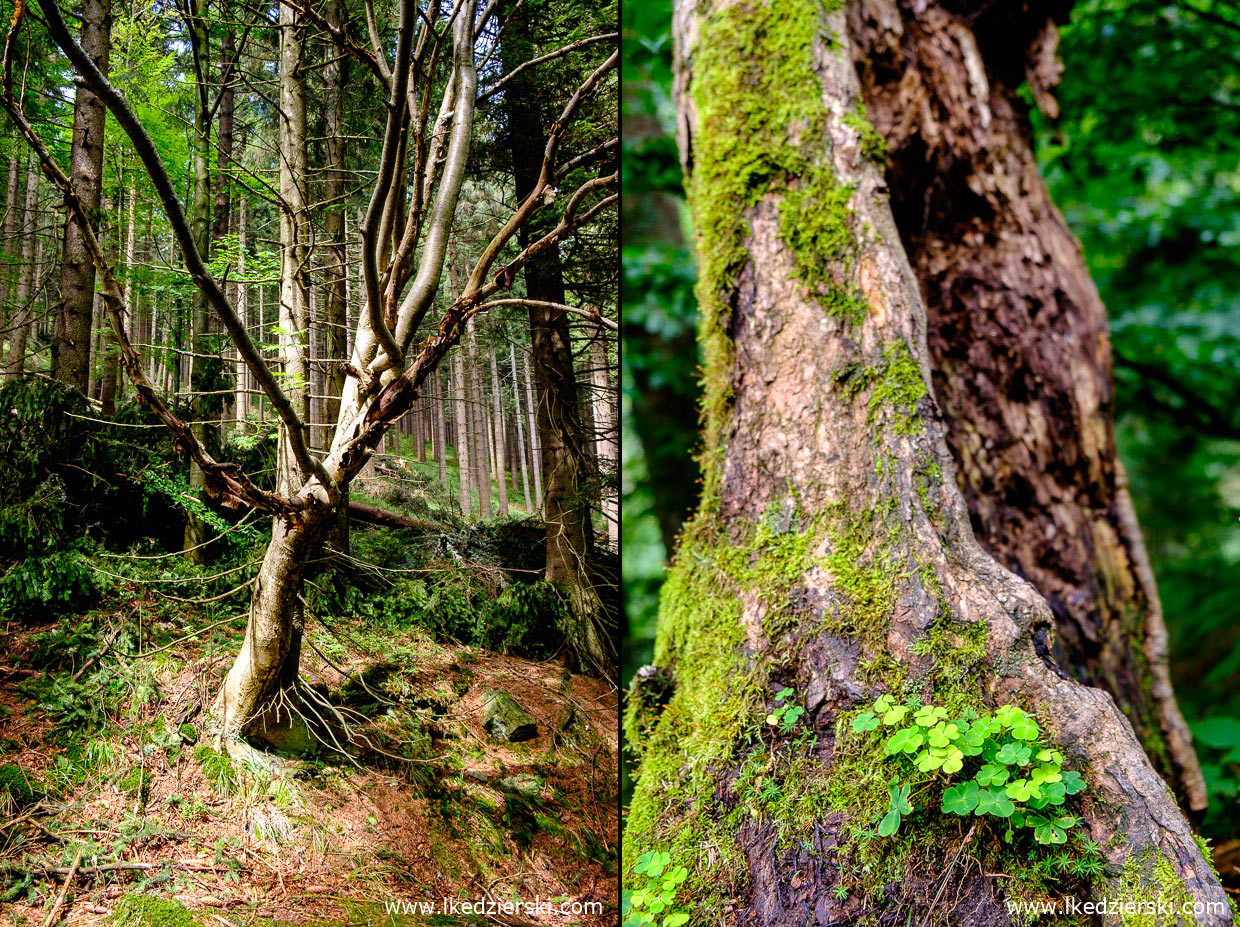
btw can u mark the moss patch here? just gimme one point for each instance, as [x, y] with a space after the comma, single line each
[151, 911]
[762, 122]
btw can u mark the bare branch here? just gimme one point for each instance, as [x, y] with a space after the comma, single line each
[591, 314]
[550, 56]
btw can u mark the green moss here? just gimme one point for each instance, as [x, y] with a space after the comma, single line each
[896, 387]
[873, 145]
[762, 120]
[151, 911]
[20, 788]
[1150, 885]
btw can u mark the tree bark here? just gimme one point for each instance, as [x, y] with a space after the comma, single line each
[832, 552]
[294, 255]
[72, 336]
[441, 429]
[12, 207]
[1029, 422]
[476, 400]
[521, 447]
[605, 434]
[463, 471]
[532, 430]
[19, 320]
[111, 381]
[501, 458]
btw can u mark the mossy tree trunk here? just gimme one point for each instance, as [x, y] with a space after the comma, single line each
[1019, 345]
[832, 551]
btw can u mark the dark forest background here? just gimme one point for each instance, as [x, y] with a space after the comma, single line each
[1144, 163]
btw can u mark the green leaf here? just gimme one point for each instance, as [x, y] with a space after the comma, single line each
[889, 824]
[894, 715]
[960, 799]
[864, 722]
[905, 740]
[899, 798]
[782, 694]
[942, 734]
[883, 704]
[992, 774]
[1072, 782]
[676, 920]
[953, 762]
[995, 802]
[1220, 733]
[1049, 834]
[1025, 730]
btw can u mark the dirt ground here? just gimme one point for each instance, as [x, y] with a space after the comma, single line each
[334, 840]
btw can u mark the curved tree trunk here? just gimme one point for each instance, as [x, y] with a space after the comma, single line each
[259, 699]
[1019, 343]
[832, 552]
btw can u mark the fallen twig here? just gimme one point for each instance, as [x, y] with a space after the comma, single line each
[54, 915]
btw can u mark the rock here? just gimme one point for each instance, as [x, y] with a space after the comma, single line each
[524, 785]
[504, 719]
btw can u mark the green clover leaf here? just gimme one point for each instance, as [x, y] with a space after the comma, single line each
[993, 801]
[864, 722]
[960, 799]
[1072, 782]
[905, 740]
[992, 774]
[883, 704]
[889, 824]
[894, 715]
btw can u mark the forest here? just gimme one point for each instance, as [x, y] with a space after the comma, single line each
[931, 319]
[309, 452]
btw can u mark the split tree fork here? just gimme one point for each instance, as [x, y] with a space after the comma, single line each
[260, 698]
[832, 551]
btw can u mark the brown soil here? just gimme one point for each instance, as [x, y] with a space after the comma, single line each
[330, 842]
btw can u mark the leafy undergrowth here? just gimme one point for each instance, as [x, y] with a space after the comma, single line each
[115, 764]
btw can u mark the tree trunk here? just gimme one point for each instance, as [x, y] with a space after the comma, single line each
[441, 429]
[561, 437]
[532, 430]
[476, 400]
[11, 247]
[605, 435]
[501, 458]
[521, 448]
[1030, 422]
[19, 321]
[462, 433]
[111, 354]
[294, 256]
[72, 336]
[259, 698]
[832, 554]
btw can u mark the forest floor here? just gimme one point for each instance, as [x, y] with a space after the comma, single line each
[330, 840]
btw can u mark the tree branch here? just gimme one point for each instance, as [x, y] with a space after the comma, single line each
[151, 161]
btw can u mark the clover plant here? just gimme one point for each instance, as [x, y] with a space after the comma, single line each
[988, 764]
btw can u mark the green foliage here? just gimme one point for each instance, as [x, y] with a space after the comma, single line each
[151, 911]
[527, 620]
[17, 788]
[786, 714]
[654, 903]
[990, 764]
[218, 769]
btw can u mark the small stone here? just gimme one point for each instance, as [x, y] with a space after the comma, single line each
[504, 719]
[526, 785]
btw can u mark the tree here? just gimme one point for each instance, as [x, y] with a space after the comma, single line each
[561, 436]
[72, 337]
[393, 355]
[831, 558]
[1029, 418]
